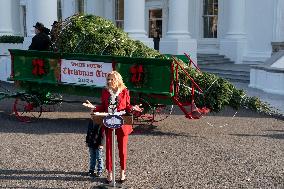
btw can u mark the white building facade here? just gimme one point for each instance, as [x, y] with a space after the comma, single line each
[242, 30]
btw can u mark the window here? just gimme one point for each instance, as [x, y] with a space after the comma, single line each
[119, 13]
[59, 10]
[155, 23]
[79, 5]
[210, 18]
[24, 21]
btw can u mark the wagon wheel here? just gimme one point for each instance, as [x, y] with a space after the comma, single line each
[146, 116]
[52, 102]
[27, 107]
[162, 111]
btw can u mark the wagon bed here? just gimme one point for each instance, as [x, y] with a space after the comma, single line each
[152, 82]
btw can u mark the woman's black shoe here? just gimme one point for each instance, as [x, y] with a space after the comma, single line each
[108, 181]
[91, 173]
[122, 181]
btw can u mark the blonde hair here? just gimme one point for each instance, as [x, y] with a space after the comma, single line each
[118, 79]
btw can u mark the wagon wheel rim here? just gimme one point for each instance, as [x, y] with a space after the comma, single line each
[162, 111]
[27, 108]
[145, 117]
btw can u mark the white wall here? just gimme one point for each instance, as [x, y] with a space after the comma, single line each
[259, 26]
[267, 80]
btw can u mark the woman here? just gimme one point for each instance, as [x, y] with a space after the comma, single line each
[115, 92]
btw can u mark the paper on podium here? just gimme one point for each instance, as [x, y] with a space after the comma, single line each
[98, 117]
[99, 113]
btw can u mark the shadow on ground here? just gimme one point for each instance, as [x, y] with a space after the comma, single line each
[273, 136]
[10, 174]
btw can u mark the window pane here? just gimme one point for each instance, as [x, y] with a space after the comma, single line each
[79, 4]
[59, 10]
[210, 27]
[210, 18]
[24, 21]
[155, 23]
[155, 14]
[119, 13]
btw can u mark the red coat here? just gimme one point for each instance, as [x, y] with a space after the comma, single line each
[123, 104]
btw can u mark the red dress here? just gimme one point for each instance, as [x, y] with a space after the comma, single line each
[122, 133]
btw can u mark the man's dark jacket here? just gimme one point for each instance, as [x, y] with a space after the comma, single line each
[40, 42]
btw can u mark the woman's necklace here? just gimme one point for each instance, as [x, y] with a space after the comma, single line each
[113, 101]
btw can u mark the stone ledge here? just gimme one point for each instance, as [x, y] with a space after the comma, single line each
[268, 68]
[5, 46]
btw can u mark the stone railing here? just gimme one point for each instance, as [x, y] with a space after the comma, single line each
[277, 46]
[5, 46]
[5, 59]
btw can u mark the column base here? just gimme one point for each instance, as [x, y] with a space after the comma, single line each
[27, 42]
[5, 46]
[177, 46]
[145, 40]
[233, 49]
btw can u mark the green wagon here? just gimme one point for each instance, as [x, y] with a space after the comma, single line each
[45, 75]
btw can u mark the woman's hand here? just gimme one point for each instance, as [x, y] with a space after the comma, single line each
[89, 104]
[137, 108]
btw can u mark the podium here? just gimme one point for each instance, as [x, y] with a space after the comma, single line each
[98, 117]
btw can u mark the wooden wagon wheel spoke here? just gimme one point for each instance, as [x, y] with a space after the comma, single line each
[145, 117]
[52, 102]
[162, 111]
[27, 108]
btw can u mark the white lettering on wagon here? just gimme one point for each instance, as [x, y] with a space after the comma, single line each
[84, 72]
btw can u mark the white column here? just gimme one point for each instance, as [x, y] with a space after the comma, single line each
[68, 8]
[109, 9]
[134, 21]
[178, 19]
[95, 7]
[234, 43]
[44, 11]
[41, 11]
[6, 26]
[178, 40]
[16, 17]
[278, 21]
[236, 24]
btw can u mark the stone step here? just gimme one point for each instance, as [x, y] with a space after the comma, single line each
[227, 72]
[224, 67]
[209, 55]
[233, 77]
[219, 61]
